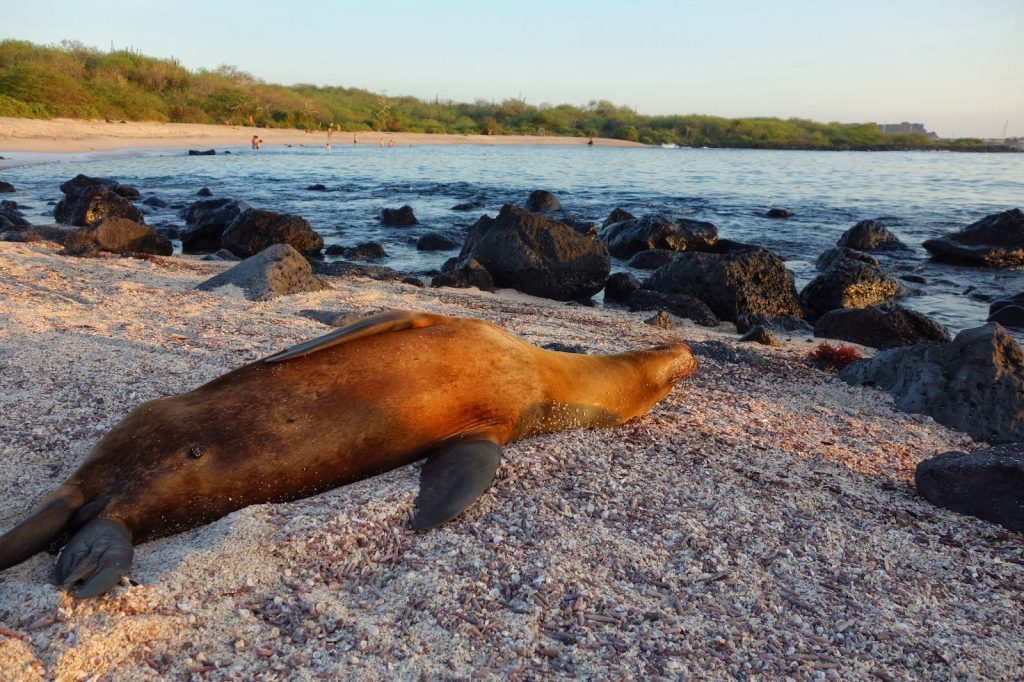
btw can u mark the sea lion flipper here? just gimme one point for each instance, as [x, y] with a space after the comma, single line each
[390, 321]
[453, 479]
[32, 535]
[95, 559]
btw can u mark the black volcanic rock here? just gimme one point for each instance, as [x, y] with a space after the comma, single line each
[256, 229]
[739, 280]
[988, 484]
[398, 217]
[868, 235]
[542, 201]
[89, 205]
[996, 241]
[848, 284]
[205, 222]
[658, 231]
[537, 255]
[880, 327]
[433, 241]
[974, 384]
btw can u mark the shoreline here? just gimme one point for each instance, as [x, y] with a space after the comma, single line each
[37, 139]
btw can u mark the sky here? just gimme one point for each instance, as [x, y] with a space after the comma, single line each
[955, 65]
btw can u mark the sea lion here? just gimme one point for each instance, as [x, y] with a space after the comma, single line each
[374, 395]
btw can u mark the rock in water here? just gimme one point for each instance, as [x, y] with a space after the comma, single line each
[278, 270]
[848, 284]
[741, 279]
[398, 217]
[253, 230]
[542, 201]
[537, 255]
[89, 205]
[880, 327]
[1008, 312]
[658, 231]
[205, 221]
[974, 384]
[994, 241]
[871, 234]
[988, 484]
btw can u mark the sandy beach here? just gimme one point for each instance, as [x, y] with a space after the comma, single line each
[759, 523]
[67, 136]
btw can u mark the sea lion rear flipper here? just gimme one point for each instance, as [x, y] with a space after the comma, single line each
[390, 321]
[95, 559]
[32, 535]
[453, 479]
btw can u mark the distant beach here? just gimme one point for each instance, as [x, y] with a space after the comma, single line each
[65, 135]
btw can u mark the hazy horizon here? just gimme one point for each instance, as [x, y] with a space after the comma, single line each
[953, 66]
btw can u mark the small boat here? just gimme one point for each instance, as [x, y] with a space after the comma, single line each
[669, 145]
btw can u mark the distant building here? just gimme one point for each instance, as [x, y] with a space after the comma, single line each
[907, 128]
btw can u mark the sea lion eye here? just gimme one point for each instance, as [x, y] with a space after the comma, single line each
[195, 452]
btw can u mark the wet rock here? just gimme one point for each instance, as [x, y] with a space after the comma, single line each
[6, 187]
[658, 231]
[974, 384]
[365, 251]
[398, 217]
[988, 484]
[127, 192]
[828, 260]
[848, 284]
[620, 285]
[868, 235]
[205, 222]
[204, 192]
[758, 334]
[880, 327]
[680, 305]
[317, 187]
[89, 204]
[617, 215]
[334, 250]
[278, 270]
[779, 213]
[155, 202]
[995, 241]
[80, 182]
[537, 255]
[117, 235]
[650, 260]
[415, 281]
[775, 323]
[464, 276]
[468, 206]
[542, 201]
[432, 241]
[256, 229]
[207, 152]
[346, 269]
[1008, 312]
[740, 280]
[10, 217]
[914, 279]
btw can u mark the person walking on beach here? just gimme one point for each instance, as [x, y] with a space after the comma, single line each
[256, 141]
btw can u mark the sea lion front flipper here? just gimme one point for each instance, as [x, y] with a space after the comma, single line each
[32, 535]
[95, 559]
[390, 321]
[453, 479]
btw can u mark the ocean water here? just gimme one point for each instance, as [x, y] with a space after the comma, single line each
[918, 195]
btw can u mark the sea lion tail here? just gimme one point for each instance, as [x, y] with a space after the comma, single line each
[381, 323]
[35, 533]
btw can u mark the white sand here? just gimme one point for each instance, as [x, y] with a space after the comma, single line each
[24, 139]
[760, 521]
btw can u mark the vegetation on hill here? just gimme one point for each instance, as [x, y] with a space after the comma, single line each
[75, 81]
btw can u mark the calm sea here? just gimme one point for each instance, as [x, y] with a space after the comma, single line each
[917, 194]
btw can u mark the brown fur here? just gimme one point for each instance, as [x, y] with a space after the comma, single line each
[281, 431]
